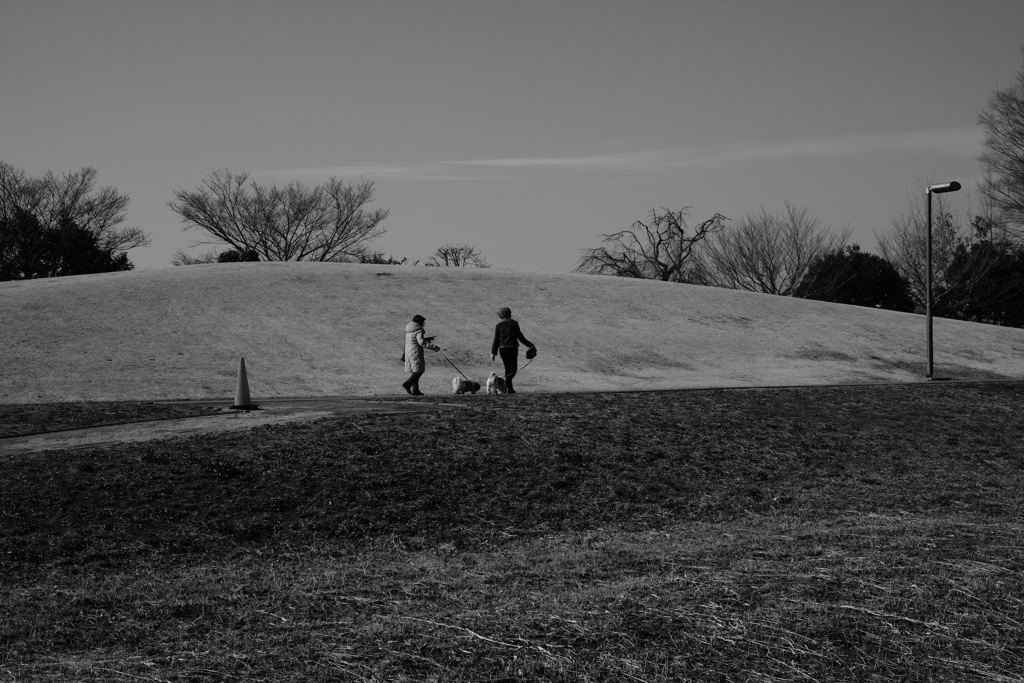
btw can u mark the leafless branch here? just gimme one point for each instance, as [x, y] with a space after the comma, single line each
[52, 199]
[768, 252]
[659, 249]
[457, 256]
[1003, 159]
[293, 223]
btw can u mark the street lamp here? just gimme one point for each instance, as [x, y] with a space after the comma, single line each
[933, 189]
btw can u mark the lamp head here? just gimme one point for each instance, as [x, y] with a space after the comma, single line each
[945, 187]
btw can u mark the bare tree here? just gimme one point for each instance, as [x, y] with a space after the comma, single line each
[183, 258]
[377, 257]
[957, 267]
[1003, 159]
[768, 252]
[53, 200]
[659, 249]
[989, 222]
[457, 256]
[905, 243]
[293, 223]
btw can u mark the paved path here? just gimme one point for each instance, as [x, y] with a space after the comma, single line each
[272, 411]
[282, 410]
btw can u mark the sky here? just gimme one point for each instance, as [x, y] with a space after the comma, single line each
[525, 128]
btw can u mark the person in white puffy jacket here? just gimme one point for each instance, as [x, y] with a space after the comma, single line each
[415, 341]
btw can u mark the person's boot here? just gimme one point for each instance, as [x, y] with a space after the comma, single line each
[508, 386]
[416, 390]
[407, 387]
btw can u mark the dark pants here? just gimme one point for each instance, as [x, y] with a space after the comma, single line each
[510, 357]
[413, 382]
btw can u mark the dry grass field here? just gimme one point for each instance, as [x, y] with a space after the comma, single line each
[866, 532]
[826, 534]
[314, 329]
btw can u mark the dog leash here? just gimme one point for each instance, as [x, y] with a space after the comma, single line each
[454, 366]
[464, 374]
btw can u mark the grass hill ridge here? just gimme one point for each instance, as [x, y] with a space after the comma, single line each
[318, 329]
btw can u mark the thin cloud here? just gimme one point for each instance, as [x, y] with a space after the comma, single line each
[626, 160]
[466, 169]
[952, 141]
[964, 142]
[412, 171]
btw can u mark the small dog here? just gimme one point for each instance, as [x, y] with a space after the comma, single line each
[495, 384]
[461, 386]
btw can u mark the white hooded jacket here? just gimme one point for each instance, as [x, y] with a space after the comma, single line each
[415, 342]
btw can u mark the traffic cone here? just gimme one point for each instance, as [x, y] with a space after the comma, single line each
[242, 400]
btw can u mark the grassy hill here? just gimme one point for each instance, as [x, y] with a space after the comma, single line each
[308, 329]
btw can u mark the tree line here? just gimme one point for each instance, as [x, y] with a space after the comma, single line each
[977, 261]
[64, 225]
[978, 270]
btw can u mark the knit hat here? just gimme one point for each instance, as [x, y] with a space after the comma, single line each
[419, 319]
[504, 312]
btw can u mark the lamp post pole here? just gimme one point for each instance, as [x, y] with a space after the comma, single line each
[936, 189]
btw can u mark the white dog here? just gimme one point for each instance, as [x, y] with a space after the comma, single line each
[495, 384]
[461, 386]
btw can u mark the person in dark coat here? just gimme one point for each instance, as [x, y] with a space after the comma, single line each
[415, 341]
[507, 336]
